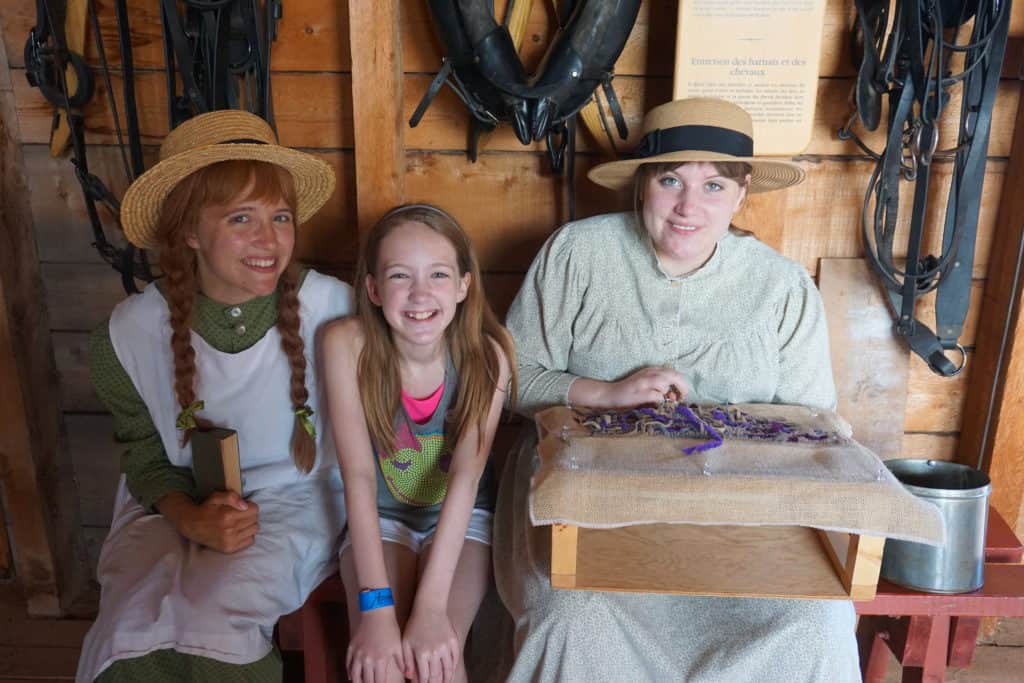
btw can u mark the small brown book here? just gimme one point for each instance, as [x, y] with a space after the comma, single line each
[215, 461]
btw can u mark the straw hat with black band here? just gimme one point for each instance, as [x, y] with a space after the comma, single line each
[698, 129]
[223, 135]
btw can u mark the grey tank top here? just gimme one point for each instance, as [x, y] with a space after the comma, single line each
[412, 480]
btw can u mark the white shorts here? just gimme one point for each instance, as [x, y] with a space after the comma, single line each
[391, 531]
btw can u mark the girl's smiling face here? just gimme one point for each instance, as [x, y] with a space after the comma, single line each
[242, 247]
[417, 284]
[686, 211]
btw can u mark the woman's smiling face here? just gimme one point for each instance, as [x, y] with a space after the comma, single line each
[242, 247]
[686, 211]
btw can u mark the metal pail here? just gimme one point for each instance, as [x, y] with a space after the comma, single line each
[961, 494]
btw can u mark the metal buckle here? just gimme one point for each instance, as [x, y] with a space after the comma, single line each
[960, 368]
[915, 145]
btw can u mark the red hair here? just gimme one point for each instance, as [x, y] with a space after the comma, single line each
[220, 184]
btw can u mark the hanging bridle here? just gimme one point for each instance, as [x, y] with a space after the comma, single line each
[221, 53]
[220, 50]
[482, 67]
[910, 66]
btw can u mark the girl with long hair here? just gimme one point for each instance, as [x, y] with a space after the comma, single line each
[416, 382]
[193, 582]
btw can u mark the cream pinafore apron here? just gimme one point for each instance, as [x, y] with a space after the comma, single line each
[160, 590]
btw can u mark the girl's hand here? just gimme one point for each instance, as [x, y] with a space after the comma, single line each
[646, 386]
[375, 649]
[225, 521]
[431, 647]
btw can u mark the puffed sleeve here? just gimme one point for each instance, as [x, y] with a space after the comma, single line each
[805, 376]
[148, 472]
[541, 322]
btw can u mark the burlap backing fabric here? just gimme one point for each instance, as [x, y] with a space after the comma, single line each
[610, 481]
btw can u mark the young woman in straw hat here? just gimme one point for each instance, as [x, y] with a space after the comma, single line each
[623, 309]
[192, 588]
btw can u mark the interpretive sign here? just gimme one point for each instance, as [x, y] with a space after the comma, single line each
[760, 54]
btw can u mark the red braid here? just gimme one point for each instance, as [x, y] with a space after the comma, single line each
[303, 445]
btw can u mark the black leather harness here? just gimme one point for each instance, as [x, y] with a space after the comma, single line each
[910, 66]
[46, 56]
[482, 67]
[220, 51]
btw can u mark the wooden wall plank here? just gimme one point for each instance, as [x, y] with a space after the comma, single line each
[824, 212]
[314, 36]
[997, 441]
[33, 467]
[326, 121]
[444, 124]
[80, 296]
[869, 364]
[6, 567]
[935, 403]
[77, 394]
[509, 203]
[96, 458]
[62, 228]
[377, 86]
[931, 446]
[63, 233]
[322, 122]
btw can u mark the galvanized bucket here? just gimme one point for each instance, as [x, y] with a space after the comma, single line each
[961, 494]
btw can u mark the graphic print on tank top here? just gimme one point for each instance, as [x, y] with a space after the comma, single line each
[416, 473]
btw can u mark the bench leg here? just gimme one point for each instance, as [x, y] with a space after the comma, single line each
[314, 645]
[926, 650]
[963, 639]
[874, 650]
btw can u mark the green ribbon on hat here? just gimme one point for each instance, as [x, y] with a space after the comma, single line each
[304, 413]
[187, 417]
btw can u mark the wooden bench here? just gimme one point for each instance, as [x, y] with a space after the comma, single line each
[319, 630]
[929, 631]
[925, 631]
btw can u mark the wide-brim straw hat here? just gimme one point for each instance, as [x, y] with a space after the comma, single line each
[206, 139]
[699, 129]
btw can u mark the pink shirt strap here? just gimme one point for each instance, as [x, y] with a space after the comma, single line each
[420, 410]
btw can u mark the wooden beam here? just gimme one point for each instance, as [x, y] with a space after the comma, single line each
[34, 471]
[992, 432]
[564, 538]
[377, 107]
[5, 547]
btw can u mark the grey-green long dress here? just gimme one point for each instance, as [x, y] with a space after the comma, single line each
[748, 326]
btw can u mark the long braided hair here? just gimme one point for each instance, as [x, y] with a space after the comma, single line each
[220, 184]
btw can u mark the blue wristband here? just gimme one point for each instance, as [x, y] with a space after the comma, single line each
[375, 599]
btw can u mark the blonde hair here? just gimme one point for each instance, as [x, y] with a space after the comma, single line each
[219, 184]
[469, 335]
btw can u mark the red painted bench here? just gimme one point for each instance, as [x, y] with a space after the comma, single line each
[925, 631]
[312, 630]
[929, 631]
